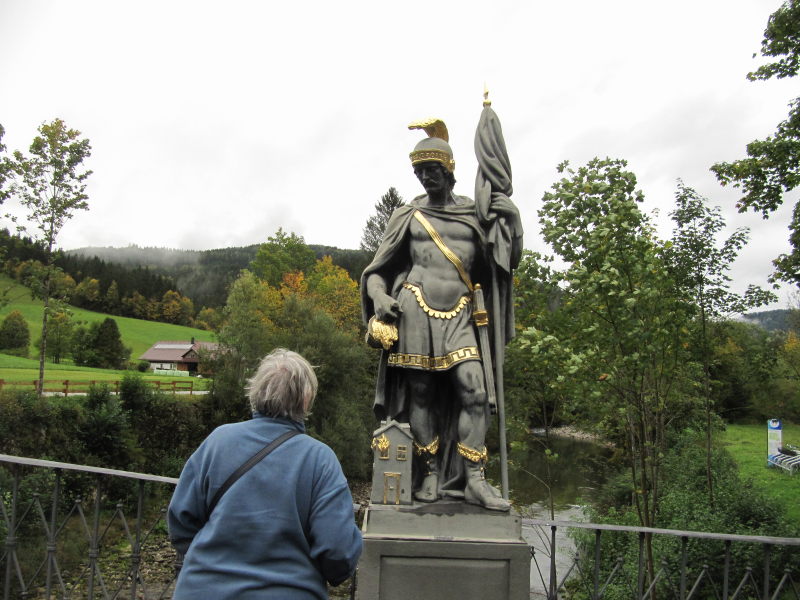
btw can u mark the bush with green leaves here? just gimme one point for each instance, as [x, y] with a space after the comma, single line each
[167, 429]
[15, 335]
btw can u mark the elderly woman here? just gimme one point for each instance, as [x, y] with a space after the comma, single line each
[285, 526]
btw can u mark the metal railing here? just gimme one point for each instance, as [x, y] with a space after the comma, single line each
[131, 558]
[561, 567]
[91, 528]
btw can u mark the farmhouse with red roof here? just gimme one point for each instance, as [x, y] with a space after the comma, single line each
[177, 355]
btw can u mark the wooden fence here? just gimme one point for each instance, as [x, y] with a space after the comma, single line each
[67, 387]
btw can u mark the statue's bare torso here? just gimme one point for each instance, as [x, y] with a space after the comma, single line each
[431, 269]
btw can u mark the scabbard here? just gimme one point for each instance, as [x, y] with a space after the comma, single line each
[481, 318]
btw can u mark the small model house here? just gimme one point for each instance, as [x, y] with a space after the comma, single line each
[392, 447]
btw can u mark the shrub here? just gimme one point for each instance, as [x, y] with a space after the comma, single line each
[15, 335]
[168, 428]
[738, 508]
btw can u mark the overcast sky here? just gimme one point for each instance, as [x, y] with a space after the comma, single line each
[214, 123]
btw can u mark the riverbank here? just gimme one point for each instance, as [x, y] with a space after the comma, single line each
[572, 432]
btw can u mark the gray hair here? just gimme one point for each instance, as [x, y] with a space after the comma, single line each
[281, 386]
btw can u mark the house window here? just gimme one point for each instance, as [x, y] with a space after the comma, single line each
[402, 452]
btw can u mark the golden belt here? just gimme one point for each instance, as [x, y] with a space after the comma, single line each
[432, 312]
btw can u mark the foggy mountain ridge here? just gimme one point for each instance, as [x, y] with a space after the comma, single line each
[205, 275]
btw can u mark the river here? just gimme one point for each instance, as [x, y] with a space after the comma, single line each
[574, 470]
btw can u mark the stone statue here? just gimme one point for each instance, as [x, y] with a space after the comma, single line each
[442, 258]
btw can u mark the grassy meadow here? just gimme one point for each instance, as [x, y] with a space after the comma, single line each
[17, 371]
[748, 446]
[136, 334]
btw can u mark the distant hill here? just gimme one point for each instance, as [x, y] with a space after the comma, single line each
[771, 320]
[206, 275]
[202, 275]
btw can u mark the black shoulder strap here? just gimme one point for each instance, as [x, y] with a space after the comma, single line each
[249, 464]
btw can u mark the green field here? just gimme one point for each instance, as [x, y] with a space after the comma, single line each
[17, 370]
[136, 334]
[748, 446]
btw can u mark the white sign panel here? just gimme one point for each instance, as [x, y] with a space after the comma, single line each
[774, 433]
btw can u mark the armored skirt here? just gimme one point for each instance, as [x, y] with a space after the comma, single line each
[432, 339]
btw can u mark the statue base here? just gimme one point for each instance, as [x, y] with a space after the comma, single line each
[447, 549]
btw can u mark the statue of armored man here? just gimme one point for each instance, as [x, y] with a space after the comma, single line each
[437, 298]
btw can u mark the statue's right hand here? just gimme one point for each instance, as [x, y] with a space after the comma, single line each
[387, 309]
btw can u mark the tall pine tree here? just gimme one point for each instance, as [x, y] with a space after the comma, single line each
[376, 224]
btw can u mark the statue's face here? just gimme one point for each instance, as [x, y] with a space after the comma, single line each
[432, 176]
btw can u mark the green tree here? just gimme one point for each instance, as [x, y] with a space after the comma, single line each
[111, 299]
[87, 292]
[135, 305]
[209, 319]
[626, 320]
[540, 362]
[14, 334]
[336, 293]
[700, 265]
[6, 172]
[51, 186]
[100, 345]
[6, 169]
[373, 231]
[59, 335]
[282, 254]
[176, 308]
[772, 166]
[108, 345]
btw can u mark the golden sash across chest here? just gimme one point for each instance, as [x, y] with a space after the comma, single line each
[449, 254]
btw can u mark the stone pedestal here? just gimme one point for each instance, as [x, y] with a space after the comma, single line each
[441, 551]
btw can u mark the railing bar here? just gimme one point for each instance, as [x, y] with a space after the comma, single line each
[93, 547]
[153, 527]
[780, 585]
[767, 561]
[553, 576]
[43, 519]
[119, 511]
[11, 540]
[652, 585]
[35, 462]
[21, 518]
[697, 582]
[569, 571]
[107, 527]
[51, 542]
[684, 546]
[136, 548]
[538, 568]
[611, 575]
[640, 568]
[741, 584]
[794, 587]
[754, 583]
[596, 564]
[539, 531]
[726, 571]
[760, 539]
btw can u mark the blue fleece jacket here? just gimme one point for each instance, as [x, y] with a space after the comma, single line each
[281, 531]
